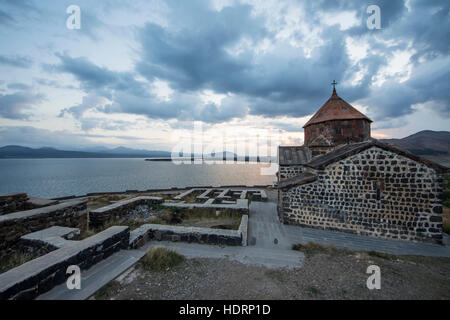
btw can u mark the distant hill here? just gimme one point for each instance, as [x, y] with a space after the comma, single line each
[20, 152]
[423, 143]
[434, 145]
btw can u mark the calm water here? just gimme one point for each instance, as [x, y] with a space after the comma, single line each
[62, 177]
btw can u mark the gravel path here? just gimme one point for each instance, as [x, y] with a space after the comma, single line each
[323, 276]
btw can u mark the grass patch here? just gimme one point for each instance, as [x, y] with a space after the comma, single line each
[313, 291]
[86, 233]
[277, 275]
[199, 217]
[312, 248]
[108, 290]
[187, 217]
[14, 260]
[160, 259]
[165, 196]
[192, 197]
[382, 255]
[104, 200]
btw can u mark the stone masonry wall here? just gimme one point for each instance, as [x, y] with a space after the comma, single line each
[14, 225]
[374, 193]
[286, 172]
[99, 217]
[40, 275]
[339, 131]
[159, 232]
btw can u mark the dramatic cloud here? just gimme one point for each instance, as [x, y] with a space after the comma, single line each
[218, 61]
[16, 61]
[18, 86]
[17, 106]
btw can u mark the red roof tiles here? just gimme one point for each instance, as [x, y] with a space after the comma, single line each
[335, 109]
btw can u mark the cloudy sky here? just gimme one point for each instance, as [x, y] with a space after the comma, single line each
[141, 73]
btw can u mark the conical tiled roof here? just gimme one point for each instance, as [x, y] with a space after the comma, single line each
[335, 109]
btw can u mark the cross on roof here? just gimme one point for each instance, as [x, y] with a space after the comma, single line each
[334, 83]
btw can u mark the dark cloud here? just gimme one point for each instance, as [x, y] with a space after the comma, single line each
[198, 57]
[93, 77]
[5, 19]
[132, 96]
[90, 102]
[54, 84]
[193, 55]
[16, 61]
[19, 86]
[24, 5]
[17, 106]
[202, 49]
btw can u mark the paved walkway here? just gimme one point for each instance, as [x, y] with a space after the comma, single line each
[266, 231]
[96, 277]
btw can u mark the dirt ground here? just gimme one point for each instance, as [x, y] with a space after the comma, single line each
[323, 276]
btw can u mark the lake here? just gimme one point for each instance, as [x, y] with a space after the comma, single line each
[51, 178]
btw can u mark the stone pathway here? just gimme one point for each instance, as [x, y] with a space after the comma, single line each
[251, 255]
[355, 242]
[96, 277]
[266, 231]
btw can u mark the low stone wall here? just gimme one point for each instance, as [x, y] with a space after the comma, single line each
[241, 206]
[243, 229]
[159, 232]
[13, 202]
[47, 240]
[99, 217]
[41, 274]
[14, 225]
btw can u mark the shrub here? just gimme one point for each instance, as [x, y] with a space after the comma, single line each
[108, 290]
[14, 260]
[382, 255]
[160, 259]
[312, 248]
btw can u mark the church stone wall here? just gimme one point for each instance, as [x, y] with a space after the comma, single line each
[339, 132]
[286, 172]
[374, 193]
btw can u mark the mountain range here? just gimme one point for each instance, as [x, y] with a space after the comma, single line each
[19, 152]
[434, 145]
[425, 143]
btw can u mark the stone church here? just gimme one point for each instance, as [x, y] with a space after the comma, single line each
[342, 179]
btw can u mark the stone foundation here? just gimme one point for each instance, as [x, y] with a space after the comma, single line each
[160, 232]
[99, 217]
[14, 225]
[41, 274]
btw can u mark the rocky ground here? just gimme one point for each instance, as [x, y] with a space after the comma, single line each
[337, 275]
